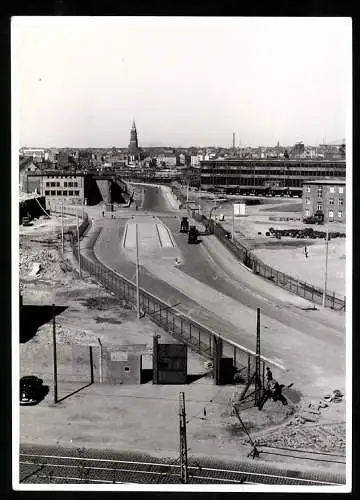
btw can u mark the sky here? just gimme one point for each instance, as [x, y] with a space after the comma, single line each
[80, 82]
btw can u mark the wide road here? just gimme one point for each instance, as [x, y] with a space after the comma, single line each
[310, 344]
[46, 464]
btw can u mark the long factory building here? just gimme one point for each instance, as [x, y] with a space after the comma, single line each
[266, 176]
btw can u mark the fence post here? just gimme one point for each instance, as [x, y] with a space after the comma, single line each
[297, 287]
[333, 300]
[91, 365]
[248, 369]
[235, 356]
[190, 330]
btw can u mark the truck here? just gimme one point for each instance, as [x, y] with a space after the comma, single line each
[317, 218]
[26, 221]
[184, 225]
[193, 235]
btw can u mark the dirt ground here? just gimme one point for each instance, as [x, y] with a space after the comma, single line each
[93, 313]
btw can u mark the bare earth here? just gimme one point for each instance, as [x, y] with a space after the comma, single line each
[143, 417]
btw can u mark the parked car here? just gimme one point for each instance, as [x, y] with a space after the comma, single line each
[31, 390]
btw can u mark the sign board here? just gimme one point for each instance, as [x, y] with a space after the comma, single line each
[239, 209]
[119, 356]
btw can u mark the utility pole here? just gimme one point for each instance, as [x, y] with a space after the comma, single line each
[187, 192]
[137, 275]
[62, 227]
[54, 356]
[183, 445]
[257, 366]
[326, 265]
[78, 244]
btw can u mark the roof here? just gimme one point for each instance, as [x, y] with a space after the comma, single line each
[326, 181]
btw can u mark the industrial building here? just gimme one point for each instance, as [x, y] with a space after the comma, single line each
[77, 188]
[327, 196]
[266, 177]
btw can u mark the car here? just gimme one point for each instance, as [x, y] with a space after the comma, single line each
[31, 390]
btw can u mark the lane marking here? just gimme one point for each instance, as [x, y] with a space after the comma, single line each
[169, 465]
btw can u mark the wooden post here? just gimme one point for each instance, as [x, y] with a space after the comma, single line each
[91, 365]
[101, 361]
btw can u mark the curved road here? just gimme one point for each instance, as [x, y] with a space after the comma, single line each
[310, 344]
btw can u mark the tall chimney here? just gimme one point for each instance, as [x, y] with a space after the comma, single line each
[234, 140]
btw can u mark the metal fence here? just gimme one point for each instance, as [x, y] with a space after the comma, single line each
[289, 283]
[199, 338]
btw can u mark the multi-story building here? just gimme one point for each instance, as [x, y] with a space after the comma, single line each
[60, 187]
[168, 160]
[266, 176]
[327, 196]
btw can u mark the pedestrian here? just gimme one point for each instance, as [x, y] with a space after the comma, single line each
[269, 377]
[103, 213]
[306, 252]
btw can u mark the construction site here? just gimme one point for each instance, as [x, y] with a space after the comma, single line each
[120, 347]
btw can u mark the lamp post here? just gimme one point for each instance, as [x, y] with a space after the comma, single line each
[137, 275]
[326, 265]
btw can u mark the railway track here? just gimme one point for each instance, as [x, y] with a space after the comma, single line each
[109, 468]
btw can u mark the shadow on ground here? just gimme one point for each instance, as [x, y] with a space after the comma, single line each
[32, 317]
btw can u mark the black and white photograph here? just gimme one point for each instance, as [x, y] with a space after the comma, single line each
[181, 253]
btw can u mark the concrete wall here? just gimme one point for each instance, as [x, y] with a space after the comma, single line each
[121, 367]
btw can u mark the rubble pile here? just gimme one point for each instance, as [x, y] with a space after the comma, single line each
[64, 335]
[306, 233]
[34, 263]
[307, 430]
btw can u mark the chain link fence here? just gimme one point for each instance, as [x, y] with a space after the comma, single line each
[197, 337]
[244, 255]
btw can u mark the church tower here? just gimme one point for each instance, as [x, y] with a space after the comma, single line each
[133, 144]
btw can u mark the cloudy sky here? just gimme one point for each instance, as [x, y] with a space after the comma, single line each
[80, 82]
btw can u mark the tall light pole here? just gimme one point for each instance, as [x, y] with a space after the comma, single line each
[233, 222]
[187, 192]
[62, 227]
[78, 244]
[137, 275]
[326, 264]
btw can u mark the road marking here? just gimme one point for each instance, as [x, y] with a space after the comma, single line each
[174, 465]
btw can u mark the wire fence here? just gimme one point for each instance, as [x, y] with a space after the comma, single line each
[243, 254]
[197, 337]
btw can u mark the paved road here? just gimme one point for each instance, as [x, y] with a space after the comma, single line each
[60, 465]
[289, 333]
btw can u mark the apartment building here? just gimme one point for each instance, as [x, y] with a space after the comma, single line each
[327, 196]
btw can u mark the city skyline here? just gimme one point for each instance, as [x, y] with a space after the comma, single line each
[186, 82]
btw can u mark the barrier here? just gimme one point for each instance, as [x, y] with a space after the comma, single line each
[243, 254]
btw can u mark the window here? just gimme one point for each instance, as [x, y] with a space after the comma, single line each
[308, 189]
[52, 193]
[341, 190]
[332, 189]
[341, 202]
[77, 193]
[307, 201]
[331, 214]
[58, 193]
[70, 184]
[65, 184]
[64, 193]
[58, 184]
[47, 193]
[340, 214]
[75, 184]
[71, 193]
[319, 206]
[47, 184]
[52, 184]
[319, 192]
[331, 201]
[307, 212]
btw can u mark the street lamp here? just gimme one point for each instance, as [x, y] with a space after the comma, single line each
[326, 264]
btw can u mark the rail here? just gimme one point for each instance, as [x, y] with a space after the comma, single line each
[243, 254]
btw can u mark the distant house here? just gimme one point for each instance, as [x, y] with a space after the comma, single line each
[27, 166]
